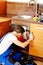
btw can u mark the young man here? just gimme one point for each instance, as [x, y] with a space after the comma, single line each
[11, 38]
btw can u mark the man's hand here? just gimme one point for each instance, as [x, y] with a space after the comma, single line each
[31, 36]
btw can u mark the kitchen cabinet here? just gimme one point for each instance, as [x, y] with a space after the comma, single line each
[3, 7]
[36, 46]
[4, 26]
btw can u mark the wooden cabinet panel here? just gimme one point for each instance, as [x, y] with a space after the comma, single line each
[3, 5]
[36, 46]
[4, 26]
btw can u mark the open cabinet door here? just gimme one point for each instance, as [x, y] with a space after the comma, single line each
[36, 46]
[3, 4]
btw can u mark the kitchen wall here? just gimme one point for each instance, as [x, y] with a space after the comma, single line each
[15, 8]
[25, 1]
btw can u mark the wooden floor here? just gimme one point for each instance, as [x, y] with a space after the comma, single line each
[39, 63]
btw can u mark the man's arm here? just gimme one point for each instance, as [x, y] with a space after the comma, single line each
[23, 44]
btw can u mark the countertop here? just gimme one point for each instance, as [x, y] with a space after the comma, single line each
[4, 19]
[25, 21]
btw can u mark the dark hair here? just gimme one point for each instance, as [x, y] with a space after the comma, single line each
[19, 29]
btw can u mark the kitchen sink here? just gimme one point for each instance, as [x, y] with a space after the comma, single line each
[23, 17]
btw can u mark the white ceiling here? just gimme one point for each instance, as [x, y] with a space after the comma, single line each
[25, 1]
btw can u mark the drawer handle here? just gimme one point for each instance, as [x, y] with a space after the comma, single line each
[40, 28]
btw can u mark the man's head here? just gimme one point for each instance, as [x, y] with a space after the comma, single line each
[19, 29]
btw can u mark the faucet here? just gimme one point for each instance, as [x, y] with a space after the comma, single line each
[36, 4]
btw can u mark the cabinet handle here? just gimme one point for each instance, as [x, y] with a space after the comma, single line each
[40, 28]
